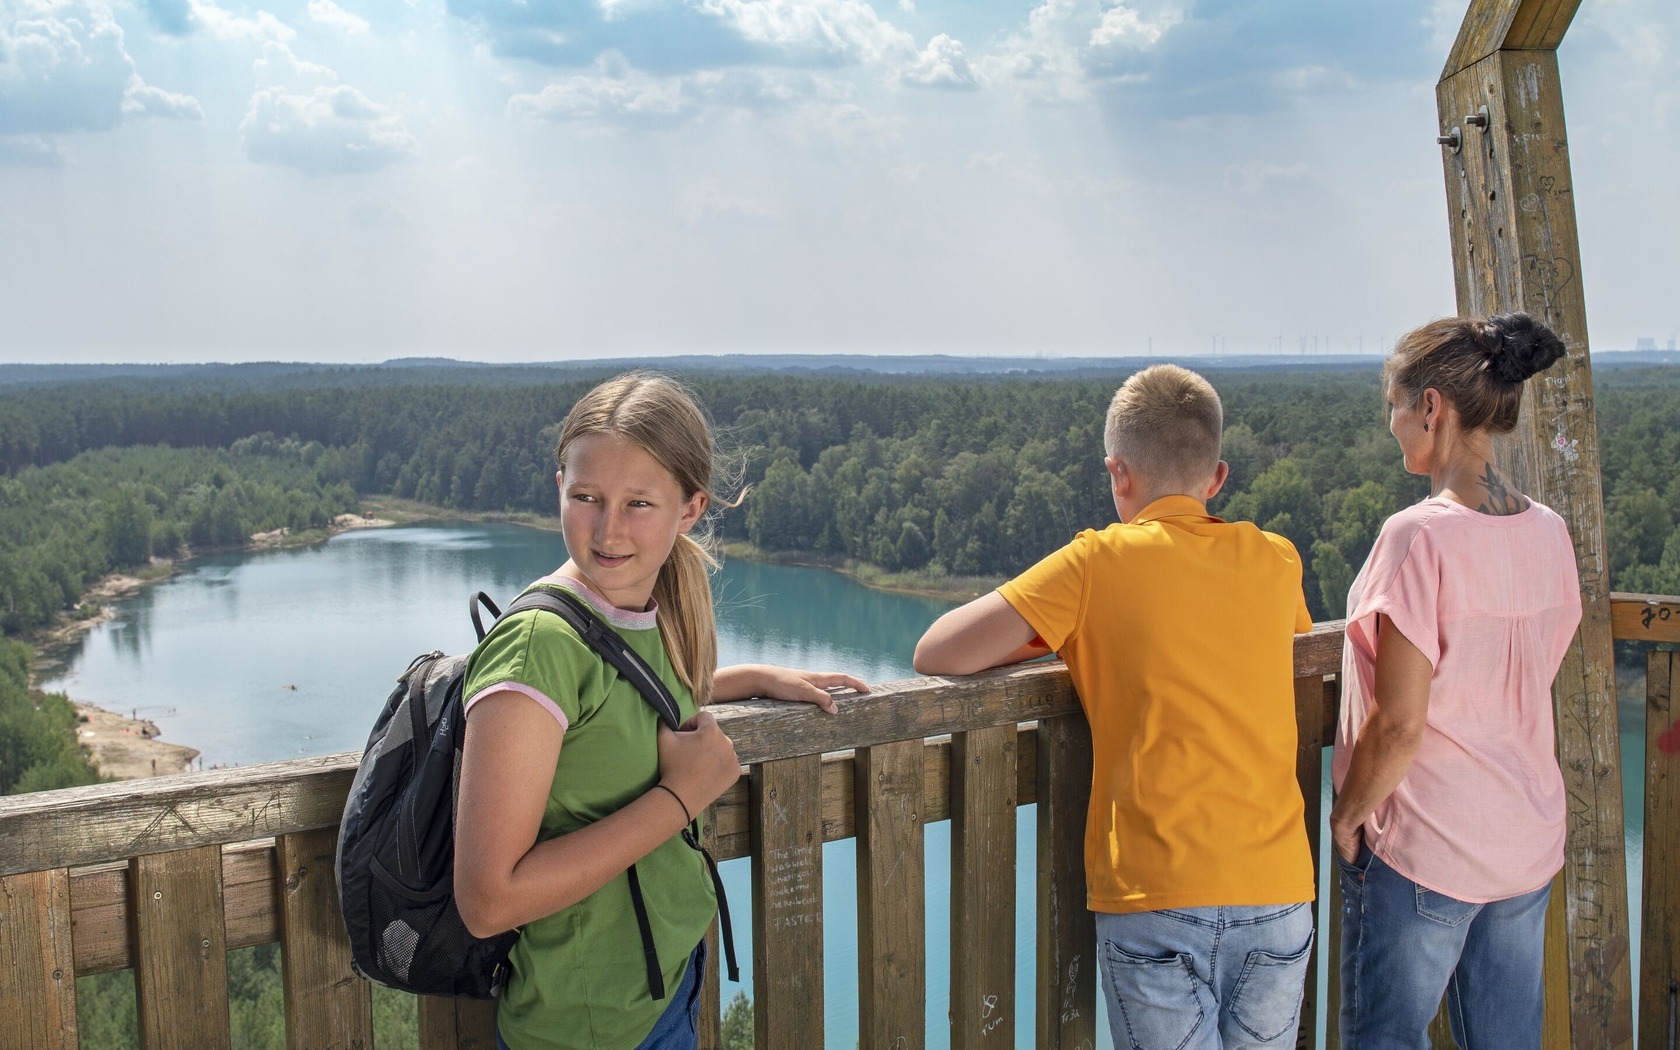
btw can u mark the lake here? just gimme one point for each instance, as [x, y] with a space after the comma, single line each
[280, 654]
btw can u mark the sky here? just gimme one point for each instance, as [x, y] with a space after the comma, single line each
[536, 180]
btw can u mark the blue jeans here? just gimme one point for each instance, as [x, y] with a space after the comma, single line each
[1403, 946]
[1205, 978]
[678, 1028]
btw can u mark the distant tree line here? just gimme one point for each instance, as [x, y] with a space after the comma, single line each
[971, 476]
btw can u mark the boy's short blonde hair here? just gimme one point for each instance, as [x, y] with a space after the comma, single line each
[1165, 422]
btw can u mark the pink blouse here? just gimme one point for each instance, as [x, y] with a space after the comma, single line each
[1493, 602]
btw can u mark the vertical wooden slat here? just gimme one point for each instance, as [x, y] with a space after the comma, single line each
[180, 949]
[711, 1008]
[327, 1006]
[457, 1024]
[1066, 1008]
[1309, 773]
[1511, 208]
[786, 814]
[1659, 972]
[37, 971]
[891, 881]
[1333, 960]
[983, 888]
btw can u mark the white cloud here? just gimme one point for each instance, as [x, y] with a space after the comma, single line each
[1127, 27]
[224, 25]
[941, 64]
[30, 151]
[279, 64]
[143, 99]
[707, 200]
[333, 130]
[66, 68]
[847, 31]
[615, 94]
[329, 14]
[906, 173]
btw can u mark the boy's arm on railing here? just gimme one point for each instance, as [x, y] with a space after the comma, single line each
[987, 632]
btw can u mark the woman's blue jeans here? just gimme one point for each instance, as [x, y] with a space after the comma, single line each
[1205, 978]
[678, 1028]
[1404, 946]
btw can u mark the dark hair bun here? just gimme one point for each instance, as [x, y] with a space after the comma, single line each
[1525, 346]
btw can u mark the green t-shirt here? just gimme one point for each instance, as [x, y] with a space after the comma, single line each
[578, 977]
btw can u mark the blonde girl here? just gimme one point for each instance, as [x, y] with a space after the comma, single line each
[568, 778]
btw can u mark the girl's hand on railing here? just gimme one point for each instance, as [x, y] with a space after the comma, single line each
[697, 762]
[739, 681]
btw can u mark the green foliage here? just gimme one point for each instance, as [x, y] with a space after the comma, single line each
[737, 1030]
[38, 749]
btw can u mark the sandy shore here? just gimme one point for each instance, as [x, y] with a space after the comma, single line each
[128, 748]
[120, 746]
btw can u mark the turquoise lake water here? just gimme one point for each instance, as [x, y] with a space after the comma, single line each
[281, 654]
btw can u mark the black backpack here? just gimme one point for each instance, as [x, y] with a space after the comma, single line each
[396, 843]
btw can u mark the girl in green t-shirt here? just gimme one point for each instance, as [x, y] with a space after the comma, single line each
[545, 832]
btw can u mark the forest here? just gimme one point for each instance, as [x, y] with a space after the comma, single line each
[918, 478]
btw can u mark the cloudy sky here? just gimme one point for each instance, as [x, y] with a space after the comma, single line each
[190, 180]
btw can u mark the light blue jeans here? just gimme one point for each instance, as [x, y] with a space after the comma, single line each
[678, 1028]
[1404, 946]
[1205, 978]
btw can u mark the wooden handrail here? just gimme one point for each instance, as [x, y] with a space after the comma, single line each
[248, 834]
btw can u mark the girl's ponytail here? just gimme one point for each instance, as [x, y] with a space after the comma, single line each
[686, 619]
[659, 415]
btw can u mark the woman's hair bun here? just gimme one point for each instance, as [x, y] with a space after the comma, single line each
[1524, 347]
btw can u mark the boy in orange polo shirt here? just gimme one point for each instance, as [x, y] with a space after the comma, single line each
[1178, 630]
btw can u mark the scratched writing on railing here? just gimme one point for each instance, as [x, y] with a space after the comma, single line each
[1658, 613]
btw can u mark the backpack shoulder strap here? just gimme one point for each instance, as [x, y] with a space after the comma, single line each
[607, 643]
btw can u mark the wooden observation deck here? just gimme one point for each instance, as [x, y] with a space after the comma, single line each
[166, 875]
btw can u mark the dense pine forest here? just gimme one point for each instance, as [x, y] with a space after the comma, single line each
[920, 478]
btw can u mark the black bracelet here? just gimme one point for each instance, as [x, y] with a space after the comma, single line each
[680, 802]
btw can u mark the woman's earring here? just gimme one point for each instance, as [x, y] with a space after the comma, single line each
[1426, 428]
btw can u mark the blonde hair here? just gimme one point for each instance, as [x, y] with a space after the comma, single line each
[1478, 365]
[661, 417]
[1165, 422]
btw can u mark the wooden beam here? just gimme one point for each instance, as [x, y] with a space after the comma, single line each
[1066, 994]
[1659, 973]
[37, 977]
[1512, 217]
[983, 888]
[180, 953]
[327, 1006]
[1490, 25]
[891, 896]
[787, 903]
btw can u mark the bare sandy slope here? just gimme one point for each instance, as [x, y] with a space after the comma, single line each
[128, 748]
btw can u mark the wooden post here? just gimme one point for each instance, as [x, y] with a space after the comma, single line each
[457, 1024]
[892, 896]
[711, 988]
[37, 976]
[327, 1006]
[1309, 774]
[1510, 200]
[1066, 1017]
[180, 949]
[787, 903]
[1659, 972]
[983, 887]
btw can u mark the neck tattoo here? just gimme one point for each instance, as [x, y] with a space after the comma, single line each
[1501, 500]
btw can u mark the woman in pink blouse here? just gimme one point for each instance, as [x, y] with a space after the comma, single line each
[1449, 815]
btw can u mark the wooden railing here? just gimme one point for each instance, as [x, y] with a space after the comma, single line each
[164, 876]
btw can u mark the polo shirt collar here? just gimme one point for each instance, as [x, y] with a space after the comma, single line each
[1175, 506]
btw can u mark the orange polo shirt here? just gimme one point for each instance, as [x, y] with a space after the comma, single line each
[1178, 629]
